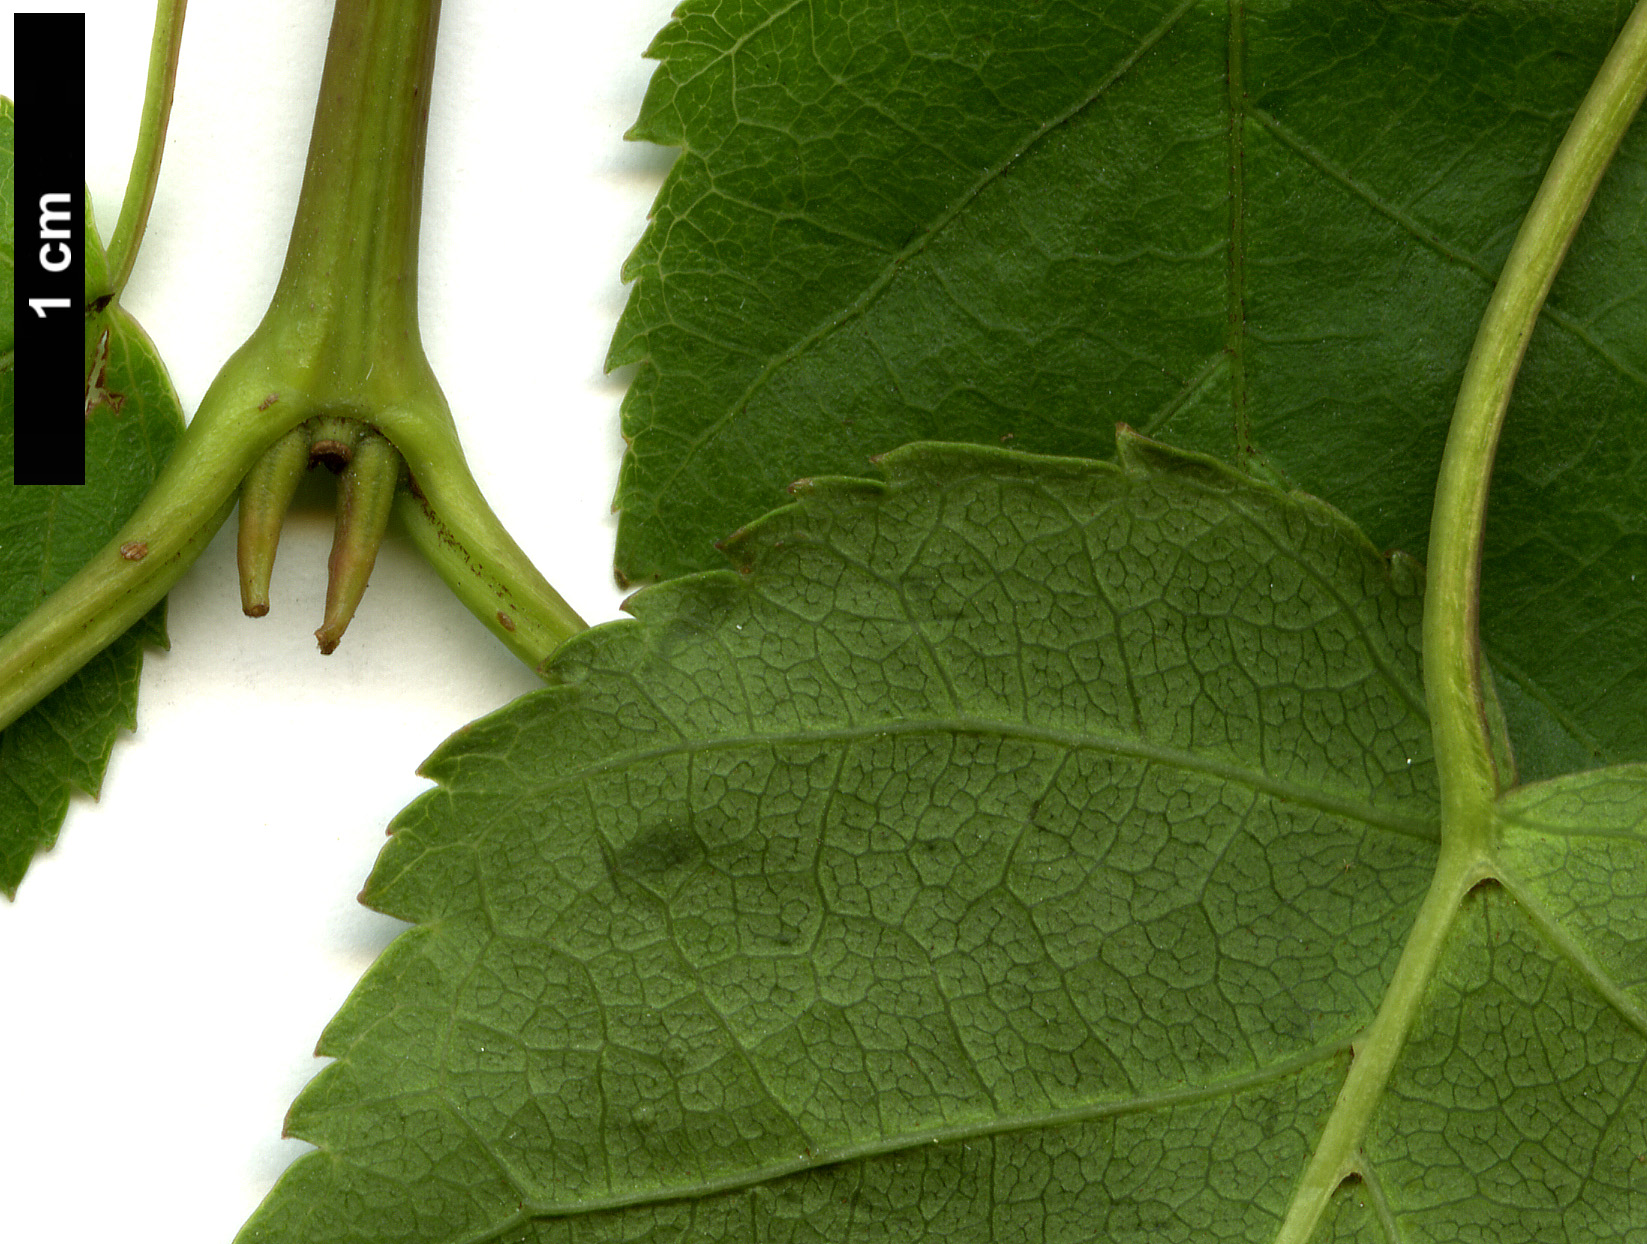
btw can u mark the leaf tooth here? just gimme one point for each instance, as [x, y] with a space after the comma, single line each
[818, 494]
[1138, 454]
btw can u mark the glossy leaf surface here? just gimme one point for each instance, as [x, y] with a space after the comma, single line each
[46, 532]
[1263, 230]
[1010, 851]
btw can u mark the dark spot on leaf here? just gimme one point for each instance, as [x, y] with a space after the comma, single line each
[657, 851]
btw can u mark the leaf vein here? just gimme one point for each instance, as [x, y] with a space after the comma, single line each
[875, 288]
[1425, 828]
[958, 1133]
[1316, 159]
[1576, 957]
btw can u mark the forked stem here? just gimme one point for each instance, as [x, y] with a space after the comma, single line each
[1452, 632]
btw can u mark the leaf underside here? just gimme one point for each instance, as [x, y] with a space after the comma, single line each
[1006, 852]
[48, 531]
[1264, 230]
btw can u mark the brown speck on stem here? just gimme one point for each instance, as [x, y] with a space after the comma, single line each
[134, 550]
[505, 621]
[268, 401]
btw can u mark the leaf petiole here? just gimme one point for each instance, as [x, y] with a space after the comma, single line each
[151, 141]
[1469, 778]
[1452, 617]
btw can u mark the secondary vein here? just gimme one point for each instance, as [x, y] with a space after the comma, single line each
[953, 1135]
[1425, 828]
[918, 244]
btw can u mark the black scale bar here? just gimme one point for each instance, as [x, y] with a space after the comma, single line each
[49, 418]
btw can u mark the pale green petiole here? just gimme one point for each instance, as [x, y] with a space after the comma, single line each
[128, 576]
[1470, 781]
[1452, 629]
[151, 141]
[474, 555]
[340, 341]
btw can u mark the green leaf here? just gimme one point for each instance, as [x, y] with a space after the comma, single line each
[1576, 851]
[1010, 851]
[98, 282]
[1263, 230]
[1520, 1100]
[46, 533]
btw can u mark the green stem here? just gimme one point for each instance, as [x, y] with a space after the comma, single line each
[350, 284]
[133, 571]
[1452, 623]
[346, 302]
[151, 141]
[1452, 641]
[474, 555]
[1335, 1155]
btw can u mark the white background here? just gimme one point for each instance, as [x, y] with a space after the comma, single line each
[164, 972]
